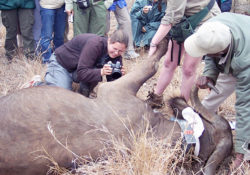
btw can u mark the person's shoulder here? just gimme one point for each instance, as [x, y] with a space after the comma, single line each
[90, 38]
[85, 35]
[96, 42]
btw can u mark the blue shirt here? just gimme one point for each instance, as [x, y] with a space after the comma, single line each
[119, 3]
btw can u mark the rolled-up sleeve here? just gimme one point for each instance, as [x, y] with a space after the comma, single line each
[210, 69]
[174, 12]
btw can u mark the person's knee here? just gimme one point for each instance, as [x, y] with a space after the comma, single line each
[170, 65]
[189, 68]
[188, 71]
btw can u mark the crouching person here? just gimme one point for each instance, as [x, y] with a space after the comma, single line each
[225, 40]
[85, 59]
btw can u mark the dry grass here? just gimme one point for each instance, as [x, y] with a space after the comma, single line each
[147, 156]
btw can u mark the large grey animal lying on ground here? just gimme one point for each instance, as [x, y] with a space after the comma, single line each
[85, 123]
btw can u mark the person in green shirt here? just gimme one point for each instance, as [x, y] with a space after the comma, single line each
[225, 40]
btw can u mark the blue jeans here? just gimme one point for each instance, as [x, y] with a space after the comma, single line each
[53, 27]
[38, 24]
[56, 75]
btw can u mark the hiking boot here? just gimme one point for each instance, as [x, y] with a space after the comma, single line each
[130, 54]
[154, 100]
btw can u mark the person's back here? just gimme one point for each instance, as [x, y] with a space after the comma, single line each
[239, 27]
[68, 55]
[225, 40]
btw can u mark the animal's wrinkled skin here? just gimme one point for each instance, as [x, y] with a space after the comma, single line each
[81, 123]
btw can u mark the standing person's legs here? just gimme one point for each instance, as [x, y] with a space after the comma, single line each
[107, 23]
[98, 17]
[155, 98]
[59, 27]
[37, 24]
[242, 108]
[19, 35]
[189, 67]
[226, 86]
[48, 20]
[124, 21]
[56, 75]
[26, 20]
[168, 68]
[10, 22]
[81, 20]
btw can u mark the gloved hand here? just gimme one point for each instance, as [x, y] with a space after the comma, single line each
[202, 82]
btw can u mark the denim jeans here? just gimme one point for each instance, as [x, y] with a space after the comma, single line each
[53, 27]
[56, 75]
[37, 24]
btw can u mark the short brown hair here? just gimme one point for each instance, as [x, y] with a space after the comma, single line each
[120, 36]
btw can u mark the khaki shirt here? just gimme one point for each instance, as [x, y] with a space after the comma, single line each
[176, 9]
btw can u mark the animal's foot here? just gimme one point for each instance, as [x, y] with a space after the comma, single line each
[154, 100]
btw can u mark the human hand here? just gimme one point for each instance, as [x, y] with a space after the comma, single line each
[123, 70]
[143, 30]
[203, 81]
[106, 70]
[70, 12]
[146, 9]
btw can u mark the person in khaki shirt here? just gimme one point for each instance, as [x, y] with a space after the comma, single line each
[175, 11]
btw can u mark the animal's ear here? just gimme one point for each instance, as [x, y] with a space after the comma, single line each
[177, 104]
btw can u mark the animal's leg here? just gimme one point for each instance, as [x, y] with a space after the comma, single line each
[223, 149]
[133, 80]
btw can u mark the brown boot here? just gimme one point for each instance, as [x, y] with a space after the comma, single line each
[154, 100]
